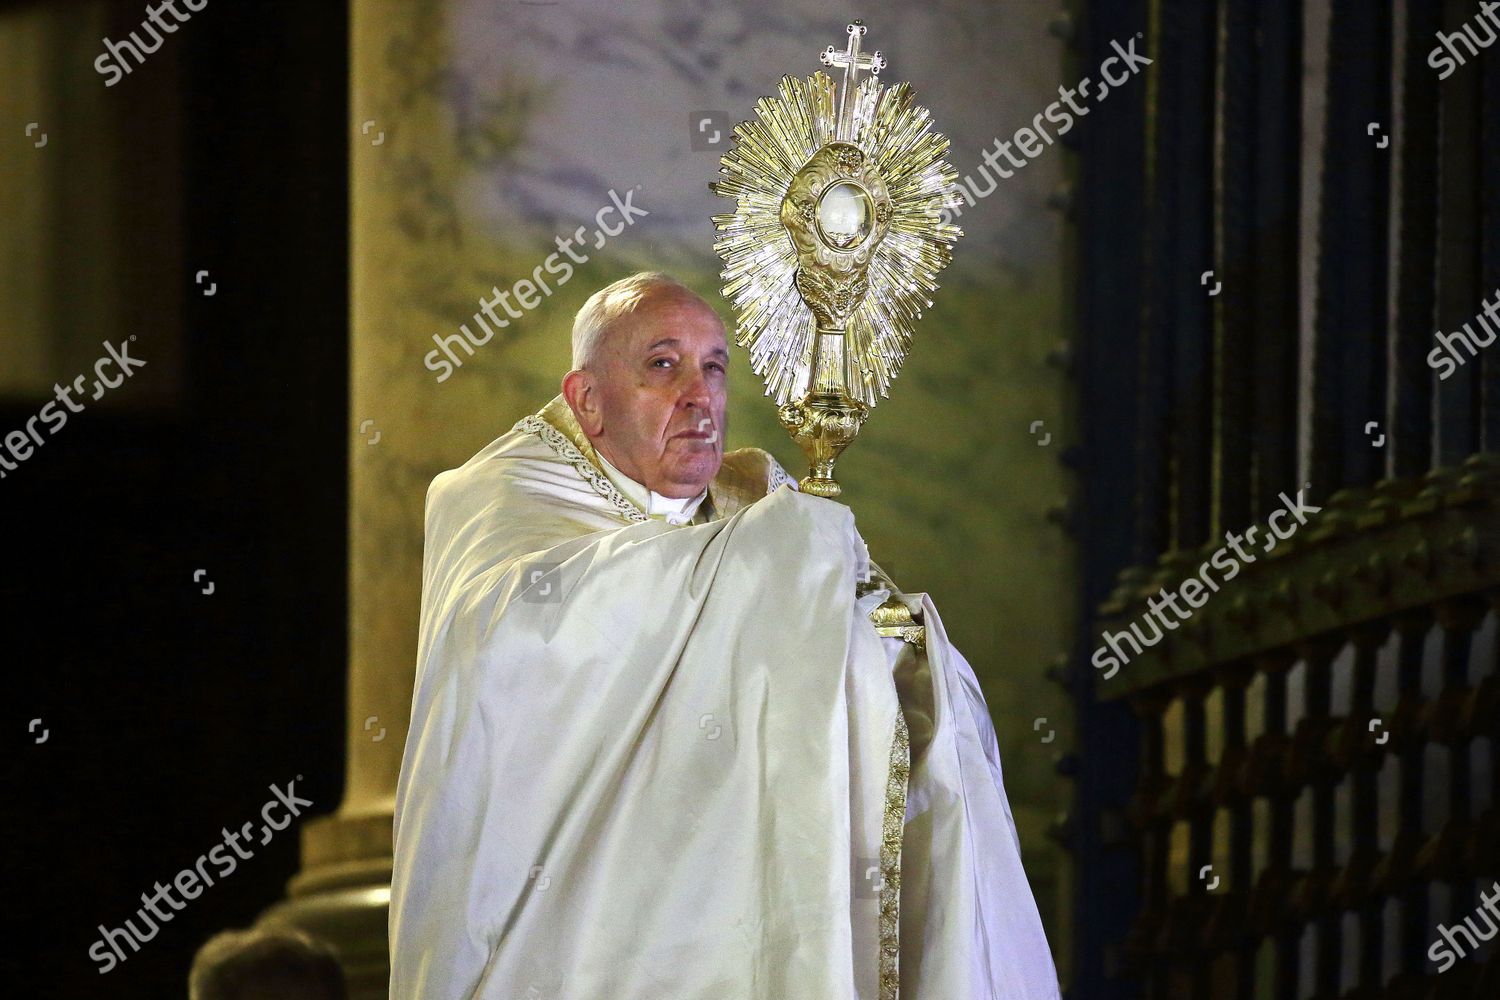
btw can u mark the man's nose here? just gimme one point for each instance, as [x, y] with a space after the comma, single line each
[697, 392]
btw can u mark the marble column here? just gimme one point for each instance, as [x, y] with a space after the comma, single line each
[413, 260]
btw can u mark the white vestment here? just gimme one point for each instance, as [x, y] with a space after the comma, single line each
[652, 761]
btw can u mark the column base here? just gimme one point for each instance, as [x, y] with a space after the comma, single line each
[342, 896]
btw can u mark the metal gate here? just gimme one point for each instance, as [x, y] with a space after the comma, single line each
[1285, 775]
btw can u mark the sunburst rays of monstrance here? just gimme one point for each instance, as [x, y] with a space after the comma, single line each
[834, 245]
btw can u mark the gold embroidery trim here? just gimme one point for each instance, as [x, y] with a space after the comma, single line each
[779, 476]
[890, 861]
[568, 451]
[739, 482]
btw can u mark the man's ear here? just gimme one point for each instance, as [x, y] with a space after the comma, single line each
[578, 389]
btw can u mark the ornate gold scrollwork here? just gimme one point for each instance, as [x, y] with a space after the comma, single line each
[836, 210]
[828, 343]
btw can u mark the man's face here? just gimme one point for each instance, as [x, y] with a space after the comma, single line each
[653, 402]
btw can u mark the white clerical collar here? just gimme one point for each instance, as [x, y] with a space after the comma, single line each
[669, 509]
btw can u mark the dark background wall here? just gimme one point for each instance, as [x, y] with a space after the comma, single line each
[168, 712]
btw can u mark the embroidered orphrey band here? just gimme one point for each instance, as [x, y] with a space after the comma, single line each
[890, 861]
[559, 443]
[779, 476]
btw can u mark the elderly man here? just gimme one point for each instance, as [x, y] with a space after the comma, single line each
[657, 747]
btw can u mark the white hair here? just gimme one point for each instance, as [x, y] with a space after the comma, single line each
[612, 303]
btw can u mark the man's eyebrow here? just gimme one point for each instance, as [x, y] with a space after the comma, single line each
[674, 342]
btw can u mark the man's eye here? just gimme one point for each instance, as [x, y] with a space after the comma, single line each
[668, 360]
[715, 364]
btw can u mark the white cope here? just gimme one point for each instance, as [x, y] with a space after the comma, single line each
[649, 761]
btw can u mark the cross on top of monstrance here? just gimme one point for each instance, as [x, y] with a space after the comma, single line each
[834, 245]
[852, 62]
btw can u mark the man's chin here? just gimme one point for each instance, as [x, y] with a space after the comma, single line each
[689, 478]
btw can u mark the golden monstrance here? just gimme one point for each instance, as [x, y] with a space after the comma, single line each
[834, 244]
